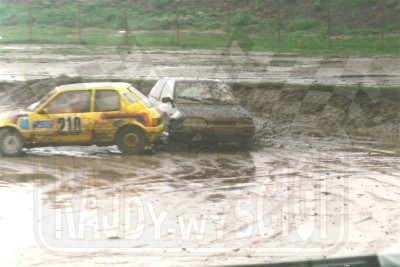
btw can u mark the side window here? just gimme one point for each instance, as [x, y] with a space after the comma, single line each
[70, 102]
[107, 100]
[157, 89]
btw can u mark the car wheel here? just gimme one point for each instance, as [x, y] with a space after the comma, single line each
[131, 140]
[11, 143]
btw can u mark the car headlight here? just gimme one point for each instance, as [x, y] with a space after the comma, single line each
[195, 122]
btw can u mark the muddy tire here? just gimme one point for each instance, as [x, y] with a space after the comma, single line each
[131, 140]
[11, 143]
[207, 152]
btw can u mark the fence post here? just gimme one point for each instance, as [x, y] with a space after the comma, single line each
[228, 16]
[79, 20]
[30, 20]
[126, 23]
[382, 22]
[329, 33]
[279, 22]
[177, 26]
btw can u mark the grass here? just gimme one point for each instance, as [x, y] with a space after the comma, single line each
[307, 43]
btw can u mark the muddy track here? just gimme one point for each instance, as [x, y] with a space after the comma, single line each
[322, 173]
[317, 194]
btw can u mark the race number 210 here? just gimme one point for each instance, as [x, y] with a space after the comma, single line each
[70, 124]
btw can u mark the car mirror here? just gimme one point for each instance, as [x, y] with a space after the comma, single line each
[44, 111]
[167, 99]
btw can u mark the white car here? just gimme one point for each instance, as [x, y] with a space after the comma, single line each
[202, 110]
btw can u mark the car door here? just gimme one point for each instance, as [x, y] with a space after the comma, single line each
[107, 114]
[65, 119]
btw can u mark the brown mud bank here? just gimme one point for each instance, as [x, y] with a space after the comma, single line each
[279, 109]
[323, 110]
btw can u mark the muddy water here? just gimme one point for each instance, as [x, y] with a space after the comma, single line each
[297, 198]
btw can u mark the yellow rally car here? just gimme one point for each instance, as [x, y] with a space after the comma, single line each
[102, 114]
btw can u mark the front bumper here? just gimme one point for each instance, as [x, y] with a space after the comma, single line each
[214, 134]
[153, 133]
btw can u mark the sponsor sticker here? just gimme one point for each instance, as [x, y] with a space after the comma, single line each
[43, 124]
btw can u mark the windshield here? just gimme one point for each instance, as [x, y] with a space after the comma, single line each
[34, 106]
[203, 92]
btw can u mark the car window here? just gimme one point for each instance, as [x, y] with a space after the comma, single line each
[70, 102]
[107, 100]
[37, 104]
[156, 92]
[203, 92]
[141, 96]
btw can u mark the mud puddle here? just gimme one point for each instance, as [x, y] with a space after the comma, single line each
[93, 206]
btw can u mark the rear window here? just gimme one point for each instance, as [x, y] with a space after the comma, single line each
[141, 96]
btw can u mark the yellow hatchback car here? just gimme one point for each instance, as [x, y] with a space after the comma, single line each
[100, 114]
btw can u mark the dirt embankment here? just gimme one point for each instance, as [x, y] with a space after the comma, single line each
[279, 109]
[324, 110]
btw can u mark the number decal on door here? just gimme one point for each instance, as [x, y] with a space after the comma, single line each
[70, 124]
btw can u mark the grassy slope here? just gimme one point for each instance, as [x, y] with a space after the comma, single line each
[203, 22]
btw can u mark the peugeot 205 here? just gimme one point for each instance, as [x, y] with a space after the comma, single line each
[100, 114]
[202, 110]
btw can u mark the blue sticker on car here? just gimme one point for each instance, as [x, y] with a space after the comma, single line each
[24, 124]
[43, 124]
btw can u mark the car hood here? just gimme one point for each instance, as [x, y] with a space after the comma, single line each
[7, 117]
[218, 112]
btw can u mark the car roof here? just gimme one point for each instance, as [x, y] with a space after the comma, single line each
[191, 79]
[99, 85]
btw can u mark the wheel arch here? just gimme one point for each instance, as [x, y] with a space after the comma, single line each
[12, 128]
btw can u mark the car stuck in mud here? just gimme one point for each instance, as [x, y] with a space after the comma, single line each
[100, 114]
[199, 110]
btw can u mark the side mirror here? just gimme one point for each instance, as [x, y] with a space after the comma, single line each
[44, 111]
[167, 99]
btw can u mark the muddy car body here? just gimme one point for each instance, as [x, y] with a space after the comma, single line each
[83, 114]
[202, 110]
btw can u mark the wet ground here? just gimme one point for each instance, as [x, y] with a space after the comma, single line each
[320, 197]
[293, 196]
